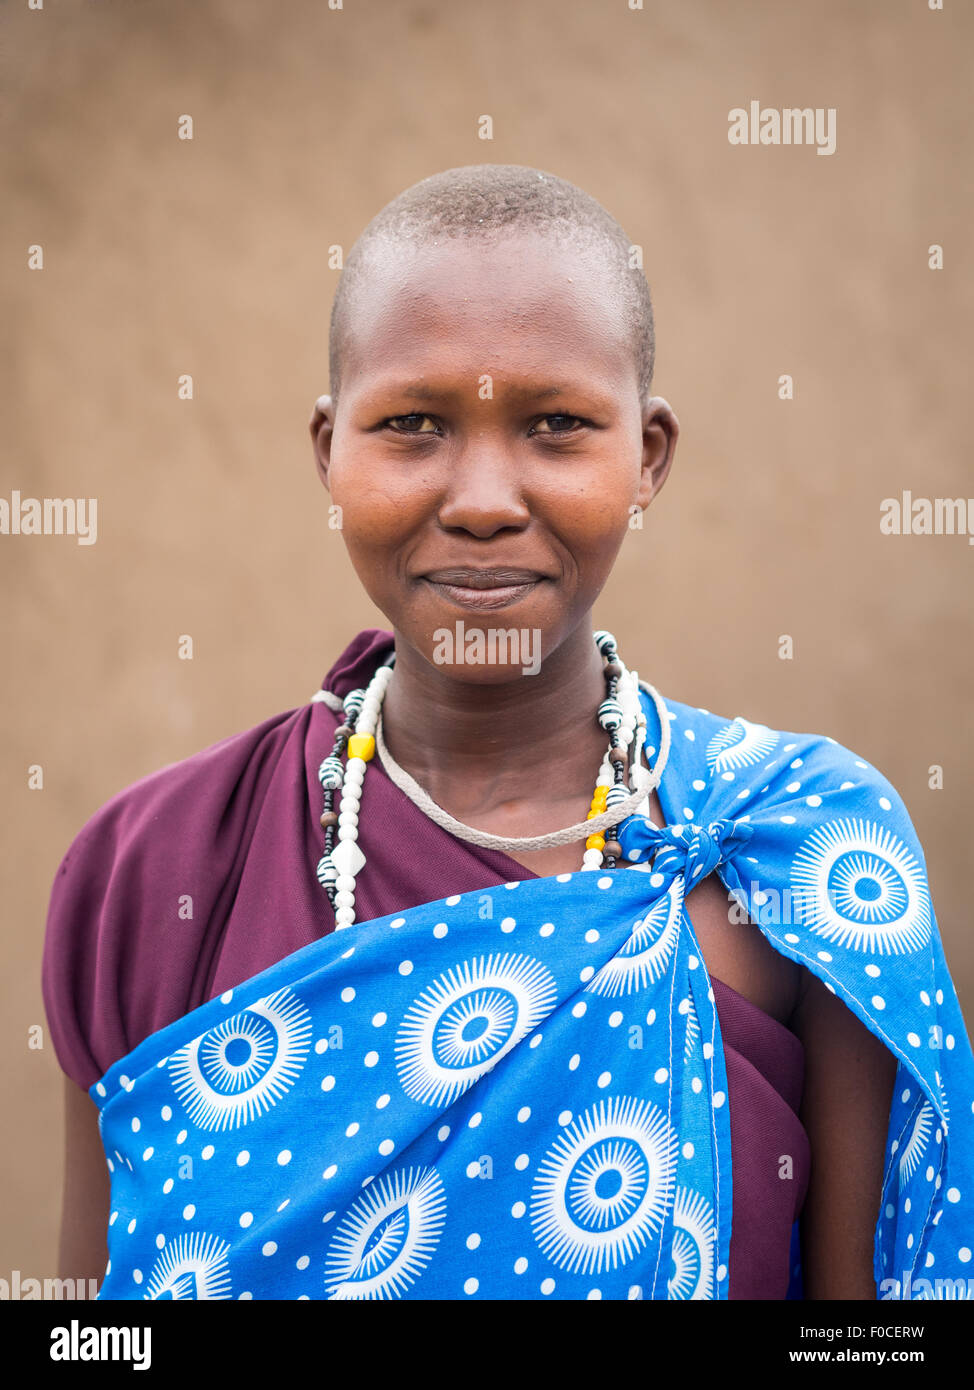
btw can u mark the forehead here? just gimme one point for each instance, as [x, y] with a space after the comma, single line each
[517, 302]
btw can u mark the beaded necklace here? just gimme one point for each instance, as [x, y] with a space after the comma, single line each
[620, 714]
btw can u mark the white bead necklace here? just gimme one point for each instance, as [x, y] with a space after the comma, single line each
[621, 714]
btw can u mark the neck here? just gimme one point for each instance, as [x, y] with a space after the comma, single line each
[476, 745]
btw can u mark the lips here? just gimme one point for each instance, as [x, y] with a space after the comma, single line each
[483, 588]
[495, 578]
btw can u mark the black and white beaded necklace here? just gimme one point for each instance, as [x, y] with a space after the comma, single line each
[620, 714]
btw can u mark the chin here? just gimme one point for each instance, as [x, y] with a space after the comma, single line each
[482, 650]
[478, 653]
[469, 673]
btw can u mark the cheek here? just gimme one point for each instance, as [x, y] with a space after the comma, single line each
[592, 523]
[377, 517]
[591, 504]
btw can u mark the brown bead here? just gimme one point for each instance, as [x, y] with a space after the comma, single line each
[344, 731]
[617, 755]
[612, 668]
[613, 847]
[328, 818]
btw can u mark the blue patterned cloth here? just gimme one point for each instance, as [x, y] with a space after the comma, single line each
[520, 1093]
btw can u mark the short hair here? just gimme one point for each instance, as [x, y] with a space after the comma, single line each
[486, 201]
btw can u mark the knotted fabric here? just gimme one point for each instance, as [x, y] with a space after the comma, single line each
[691, 850]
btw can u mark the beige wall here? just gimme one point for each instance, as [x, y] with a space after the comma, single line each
[208, 257]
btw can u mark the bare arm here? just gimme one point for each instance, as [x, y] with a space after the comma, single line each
[849, 1076]
[83, 1252]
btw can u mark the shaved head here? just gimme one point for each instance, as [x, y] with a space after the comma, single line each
[489, 202]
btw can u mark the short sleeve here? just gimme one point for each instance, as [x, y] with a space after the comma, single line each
[79, 974]
[141, 898]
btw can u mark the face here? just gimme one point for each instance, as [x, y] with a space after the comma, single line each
[488, 421]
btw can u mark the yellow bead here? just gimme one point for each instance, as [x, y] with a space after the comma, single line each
[593, 813]
[595, 842]
[599, 798]
[602, 790]
[361, 746]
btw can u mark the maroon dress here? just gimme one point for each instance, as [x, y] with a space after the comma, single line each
[202, 875]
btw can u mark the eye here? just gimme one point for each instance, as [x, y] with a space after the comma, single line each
[407, 424]
[558, 424]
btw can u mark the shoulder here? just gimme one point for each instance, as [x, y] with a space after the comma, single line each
[112, 943]
[192, 787]
[822, 853]
[763, 767]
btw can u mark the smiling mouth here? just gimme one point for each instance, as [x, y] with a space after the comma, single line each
[494, 596]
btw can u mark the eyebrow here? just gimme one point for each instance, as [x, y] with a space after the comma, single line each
[416, 389]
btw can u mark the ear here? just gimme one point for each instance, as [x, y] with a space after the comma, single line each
[661, 429]
[322, 424]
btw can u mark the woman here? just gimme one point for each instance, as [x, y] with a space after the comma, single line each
[366, 1006]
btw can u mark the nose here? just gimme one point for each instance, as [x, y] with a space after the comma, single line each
[483, 492]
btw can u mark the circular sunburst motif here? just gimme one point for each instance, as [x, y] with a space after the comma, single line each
[694, 1243]
[739, 744]
[604, 1187]
[466, 1021]
[243, 1066]
[645, 954]
[387, 1237]
[192, 1266]
[856, 884]
[917, 1142]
